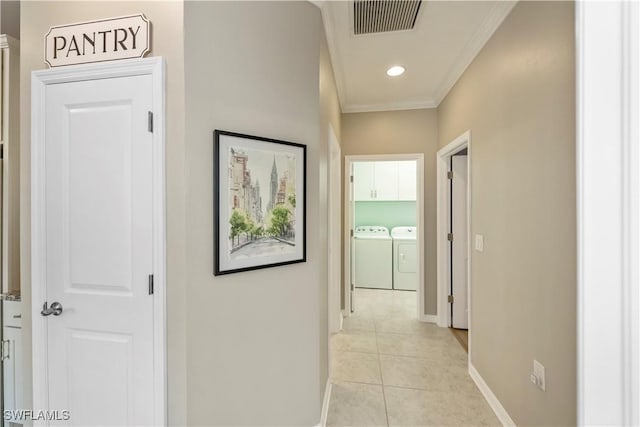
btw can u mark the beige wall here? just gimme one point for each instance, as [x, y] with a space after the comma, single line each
[10, 18]
[518, 100]
[36, 18]
[402, 132]
[256, 341]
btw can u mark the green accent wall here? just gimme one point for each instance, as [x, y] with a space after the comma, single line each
[388, 214]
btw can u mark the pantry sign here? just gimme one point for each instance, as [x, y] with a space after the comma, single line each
[98, 41]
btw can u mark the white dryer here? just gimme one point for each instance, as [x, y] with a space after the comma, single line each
[405, 258]
[372, 257]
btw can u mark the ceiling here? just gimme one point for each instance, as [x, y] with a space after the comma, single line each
[446, 37]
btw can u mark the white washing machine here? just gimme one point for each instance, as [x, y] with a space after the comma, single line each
[405, 258]
[372, 257]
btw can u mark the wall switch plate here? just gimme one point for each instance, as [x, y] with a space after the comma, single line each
[479, 242]
[538, 376]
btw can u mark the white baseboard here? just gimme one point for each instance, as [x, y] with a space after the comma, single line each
[442, 322]
[491, 398]
[429, 318]
[341, 320]
[325, 405]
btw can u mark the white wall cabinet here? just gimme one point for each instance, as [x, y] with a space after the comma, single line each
[384, 181]
[407, 180]
[363, 182]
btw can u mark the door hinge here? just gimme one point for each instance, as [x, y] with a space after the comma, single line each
[450, 175]
[151, 284]
[1, 151]
[6, 350]
[351, 178]
[450, 237]
[450, 299]
[150, 122]
[351, 233]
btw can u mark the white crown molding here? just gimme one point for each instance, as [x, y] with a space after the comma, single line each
[389, 106]
[475, 44]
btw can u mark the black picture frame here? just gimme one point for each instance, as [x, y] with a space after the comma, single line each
[250, 232]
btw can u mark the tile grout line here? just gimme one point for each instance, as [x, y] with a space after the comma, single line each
[384, 396]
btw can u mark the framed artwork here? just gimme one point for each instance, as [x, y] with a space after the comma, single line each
[260, 194]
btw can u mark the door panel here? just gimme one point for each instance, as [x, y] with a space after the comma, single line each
[459, 244]
[103, 227]
[108, 358]
[98, 169]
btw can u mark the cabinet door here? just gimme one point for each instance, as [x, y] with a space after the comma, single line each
[386, 181]
[12, 370]
[407, 180]
[363, 188]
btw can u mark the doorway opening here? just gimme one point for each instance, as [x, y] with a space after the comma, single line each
[384, 234]
[453, 237]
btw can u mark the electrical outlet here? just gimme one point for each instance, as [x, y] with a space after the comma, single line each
[538, 376]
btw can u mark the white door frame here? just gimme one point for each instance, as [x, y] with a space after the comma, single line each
[335, 233]
[419, 158]
[443, 215]
[608, 199]
[39, 82]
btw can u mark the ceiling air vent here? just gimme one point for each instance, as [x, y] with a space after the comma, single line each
[379, 16]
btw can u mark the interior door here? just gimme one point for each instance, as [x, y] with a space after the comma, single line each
[459, 273]
[98, 227]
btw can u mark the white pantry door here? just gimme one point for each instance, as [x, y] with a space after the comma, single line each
[459, 273]
[99, 250]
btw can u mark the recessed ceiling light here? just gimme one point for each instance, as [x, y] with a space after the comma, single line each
[395, 71]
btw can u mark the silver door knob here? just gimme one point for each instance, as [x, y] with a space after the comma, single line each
[55, 309]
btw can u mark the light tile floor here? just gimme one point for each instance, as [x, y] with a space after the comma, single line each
[389, 369]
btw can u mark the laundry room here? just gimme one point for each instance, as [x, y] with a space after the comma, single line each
[384, 251]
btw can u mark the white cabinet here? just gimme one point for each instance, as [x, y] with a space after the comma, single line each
[384, 180]
[12, 358]
[363, 182]
[407, 180]
[385, 177]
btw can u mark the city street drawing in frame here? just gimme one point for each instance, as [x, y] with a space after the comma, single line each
[260, 191]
